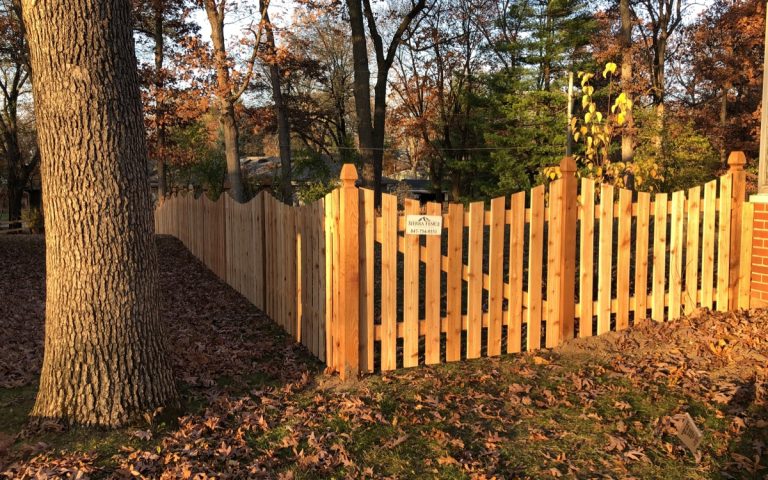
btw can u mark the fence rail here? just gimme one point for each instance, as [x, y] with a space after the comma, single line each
[536, 268]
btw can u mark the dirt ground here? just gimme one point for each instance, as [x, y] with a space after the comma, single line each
[256, 405]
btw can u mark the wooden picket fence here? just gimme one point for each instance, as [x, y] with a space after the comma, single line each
[271, 253]
[569, 259]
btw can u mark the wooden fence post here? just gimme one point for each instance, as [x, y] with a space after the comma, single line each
[568, 249]
[349, 274]
[736, 162]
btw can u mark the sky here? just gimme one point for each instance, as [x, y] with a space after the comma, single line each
[280, 12]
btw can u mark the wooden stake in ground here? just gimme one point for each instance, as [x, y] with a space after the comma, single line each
[105, 358]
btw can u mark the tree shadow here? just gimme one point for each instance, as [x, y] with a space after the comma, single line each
[218, 340]
[748, 447]
[223, 351]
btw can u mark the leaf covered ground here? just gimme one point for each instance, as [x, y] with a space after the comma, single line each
[256, 405]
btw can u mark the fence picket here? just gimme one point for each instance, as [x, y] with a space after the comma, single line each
[516, 258]
[454, 287]
[554, 260]
[496, 275]
[411, 292]
[724, 244]
[268, 244]
[745, 277]
[605, 260]
[708, 244]
[691, 295]
[305, 306]
[432, 293]
[623, 258]
[586, 259]
[388, 282]
[330, 287]
[676, 254]
[301, 272]
[659, 256]
[321, 286]
[256, 276]
[535, 254]
[366, 276]
[338, 314]
[475, 283]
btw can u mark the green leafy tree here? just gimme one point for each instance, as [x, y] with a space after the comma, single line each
[689, 157]
[595, 130]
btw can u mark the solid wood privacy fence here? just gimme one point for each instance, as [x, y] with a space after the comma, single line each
[539, 267]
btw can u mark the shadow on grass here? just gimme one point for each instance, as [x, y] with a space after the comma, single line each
[219, 344]
[748, 451]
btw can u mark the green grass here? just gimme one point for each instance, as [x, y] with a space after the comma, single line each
[15, 404]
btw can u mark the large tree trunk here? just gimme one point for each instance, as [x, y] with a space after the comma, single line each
[281, 110]
[105, 356]
[627, 133]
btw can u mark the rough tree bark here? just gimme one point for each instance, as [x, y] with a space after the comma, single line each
[105, 356]
[281, 109]
[627, 134]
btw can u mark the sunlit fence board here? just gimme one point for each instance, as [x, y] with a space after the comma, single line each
[623, 259]
[605, 260]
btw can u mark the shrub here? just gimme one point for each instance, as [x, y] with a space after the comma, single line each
[33, 219]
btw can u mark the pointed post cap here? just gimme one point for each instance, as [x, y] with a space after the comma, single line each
[567, 165]
[736, 161]
[348, 175]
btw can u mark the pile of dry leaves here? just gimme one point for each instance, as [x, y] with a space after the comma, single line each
[258, 406]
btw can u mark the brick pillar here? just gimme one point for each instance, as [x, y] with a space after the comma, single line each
[759, 284]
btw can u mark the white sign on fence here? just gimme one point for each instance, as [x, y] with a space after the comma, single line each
[423, 224]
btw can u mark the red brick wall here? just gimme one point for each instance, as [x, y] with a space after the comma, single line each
[759, 291]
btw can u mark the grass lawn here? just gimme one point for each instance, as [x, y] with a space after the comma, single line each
[256, 405]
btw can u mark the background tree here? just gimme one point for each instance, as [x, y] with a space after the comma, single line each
[105, 355]
[166, 24]
[627, 54]
[371, 125]
[271, 58]
[435, 83]
[319, 57]
[660, 19]
[718, 74]
[230, 86]
[527, 102]
[18, 151]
